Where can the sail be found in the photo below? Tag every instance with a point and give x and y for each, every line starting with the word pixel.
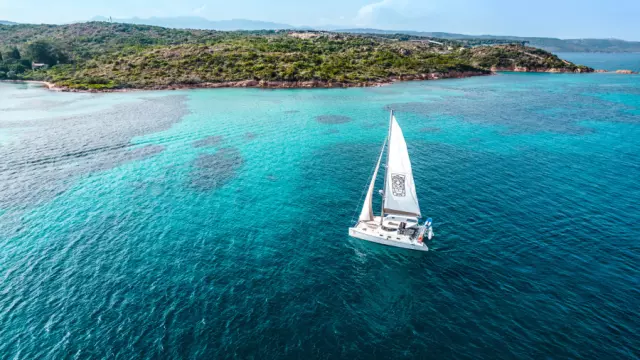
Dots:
pixel 400 194
pixel 367 209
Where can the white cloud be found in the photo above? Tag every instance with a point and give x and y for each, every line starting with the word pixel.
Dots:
pixel 366 13
pixel 199 9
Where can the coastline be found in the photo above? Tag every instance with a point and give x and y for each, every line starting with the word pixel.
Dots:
pixel 313 84
pixel 263 84
pixel 543 70
pixel 46 84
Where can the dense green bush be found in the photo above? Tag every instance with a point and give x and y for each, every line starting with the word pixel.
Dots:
pixel 42 51
pixel 13 53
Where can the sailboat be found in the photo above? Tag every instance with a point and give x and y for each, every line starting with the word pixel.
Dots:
pixel 398 223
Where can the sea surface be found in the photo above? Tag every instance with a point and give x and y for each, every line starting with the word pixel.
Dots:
pixel 605 61
pixel 213 223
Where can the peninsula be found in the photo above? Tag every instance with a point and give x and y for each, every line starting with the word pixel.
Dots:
pixel 102 56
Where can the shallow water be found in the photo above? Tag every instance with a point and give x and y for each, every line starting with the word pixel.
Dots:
pixel 213 223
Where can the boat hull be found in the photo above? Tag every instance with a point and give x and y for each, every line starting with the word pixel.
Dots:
pixel 377 238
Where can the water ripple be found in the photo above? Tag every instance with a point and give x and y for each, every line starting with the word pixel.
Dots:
pixel 122 237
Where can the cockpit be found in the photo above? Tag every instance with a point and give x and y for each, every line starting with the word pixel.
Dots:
pixel 401 224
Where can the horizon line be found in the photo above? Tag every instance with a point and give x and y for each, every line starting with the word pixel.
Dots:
pixel 300 27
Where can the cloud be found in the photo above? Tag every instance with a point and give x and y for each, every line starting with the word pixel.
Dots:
pixel 200 9
pixel 366 15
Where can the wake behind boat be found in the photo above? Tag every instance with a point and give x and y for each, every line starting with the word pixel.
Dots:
pixel 398 223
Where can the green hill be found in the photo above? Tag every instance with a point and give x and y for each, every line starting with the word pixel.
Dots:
pixel 100 55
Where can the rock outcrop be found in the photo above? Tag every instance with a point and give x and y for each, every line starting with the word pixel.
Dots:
pixel 544 70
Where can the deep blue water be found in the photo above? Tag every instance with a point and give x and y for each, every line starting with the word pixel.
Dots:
pixel 605 61
pixel 213 223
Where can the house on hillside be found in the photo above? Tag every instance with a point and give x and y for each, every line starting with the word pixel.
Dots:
pixel 36 66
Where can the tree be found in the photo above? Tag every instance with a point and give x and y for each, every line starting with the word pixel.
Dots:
pixel 13 53
pixel 20 68
pixel 42 51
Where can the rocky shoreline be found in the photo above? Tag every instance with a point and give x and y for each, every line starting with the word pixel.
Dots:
pixel 543 70
pixel 315 84
pixel 556 70
pixel 262 84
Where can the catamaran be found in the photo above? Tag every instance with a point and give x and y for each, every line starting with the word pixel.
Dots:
pixel 398 223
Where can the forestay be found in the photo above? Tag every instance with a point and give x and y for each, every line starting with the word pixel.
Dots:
pixel 400 194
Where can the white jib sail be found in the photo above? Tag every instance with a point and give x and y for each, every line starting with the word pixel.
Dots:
pixel 367 209
pixel 400 194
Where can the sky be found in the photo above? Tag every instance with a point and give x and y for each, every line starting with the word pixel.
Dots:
pixel 550 18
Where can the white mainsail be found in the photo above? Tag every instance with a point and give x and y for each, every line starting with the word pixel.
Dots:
pixel 399 200
pixel 400 193
pixel 367 209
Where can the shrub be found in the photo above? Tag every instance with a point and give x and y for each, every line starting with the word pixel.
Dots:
pixel 99 54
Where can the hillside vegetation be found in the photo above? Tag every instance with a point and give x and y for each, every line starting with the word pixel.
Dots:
pixel 513 57
pixel 100 55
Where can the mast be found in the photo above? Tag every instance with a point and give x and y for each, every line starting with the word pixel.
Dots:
pixel 386 167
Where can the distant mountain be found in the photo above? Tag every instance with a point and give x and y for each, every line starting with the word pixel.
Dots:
pixel 4 22
pixel 442 35
pixel 549 44
pixel 195 22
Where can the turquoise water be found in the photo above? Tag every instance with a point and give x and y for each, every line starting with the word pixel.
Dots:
pixel 605 61
pixel 213 223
